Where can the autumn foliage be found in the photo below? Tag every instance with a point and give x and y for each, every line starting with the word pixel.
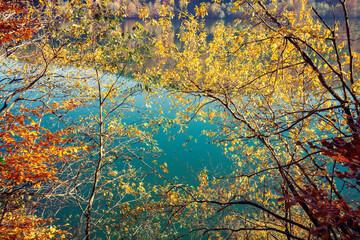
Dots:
pixel 29 156
pixel 13 28
pixel 29 151
pixel 17 225
pixel 281 78
pixel 346 152
pixel 277 80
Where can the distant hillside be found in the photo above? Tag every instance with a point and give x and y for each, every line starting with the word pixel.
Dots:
pixel 324 8
pixel 225 8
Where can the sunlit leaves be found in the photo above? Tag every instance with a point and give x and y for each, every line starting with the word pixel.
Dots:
pixel 279 81
pixel 30 156
pixel 201 10
pixel 19 225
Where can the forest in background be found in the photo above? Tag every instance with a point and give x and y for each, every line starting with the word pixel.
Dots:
pixel 225 9
pixel 282 90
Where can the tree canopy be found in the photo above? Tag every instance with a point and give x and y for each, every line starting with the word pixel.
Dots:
pixel 280 85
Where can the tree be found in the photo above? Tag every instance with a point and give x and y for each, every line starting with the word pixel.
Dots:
pixel 98 187
pixel 75 57
pixel 29 152
pixel 284 80
pixel 12 28
pixel 29 157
